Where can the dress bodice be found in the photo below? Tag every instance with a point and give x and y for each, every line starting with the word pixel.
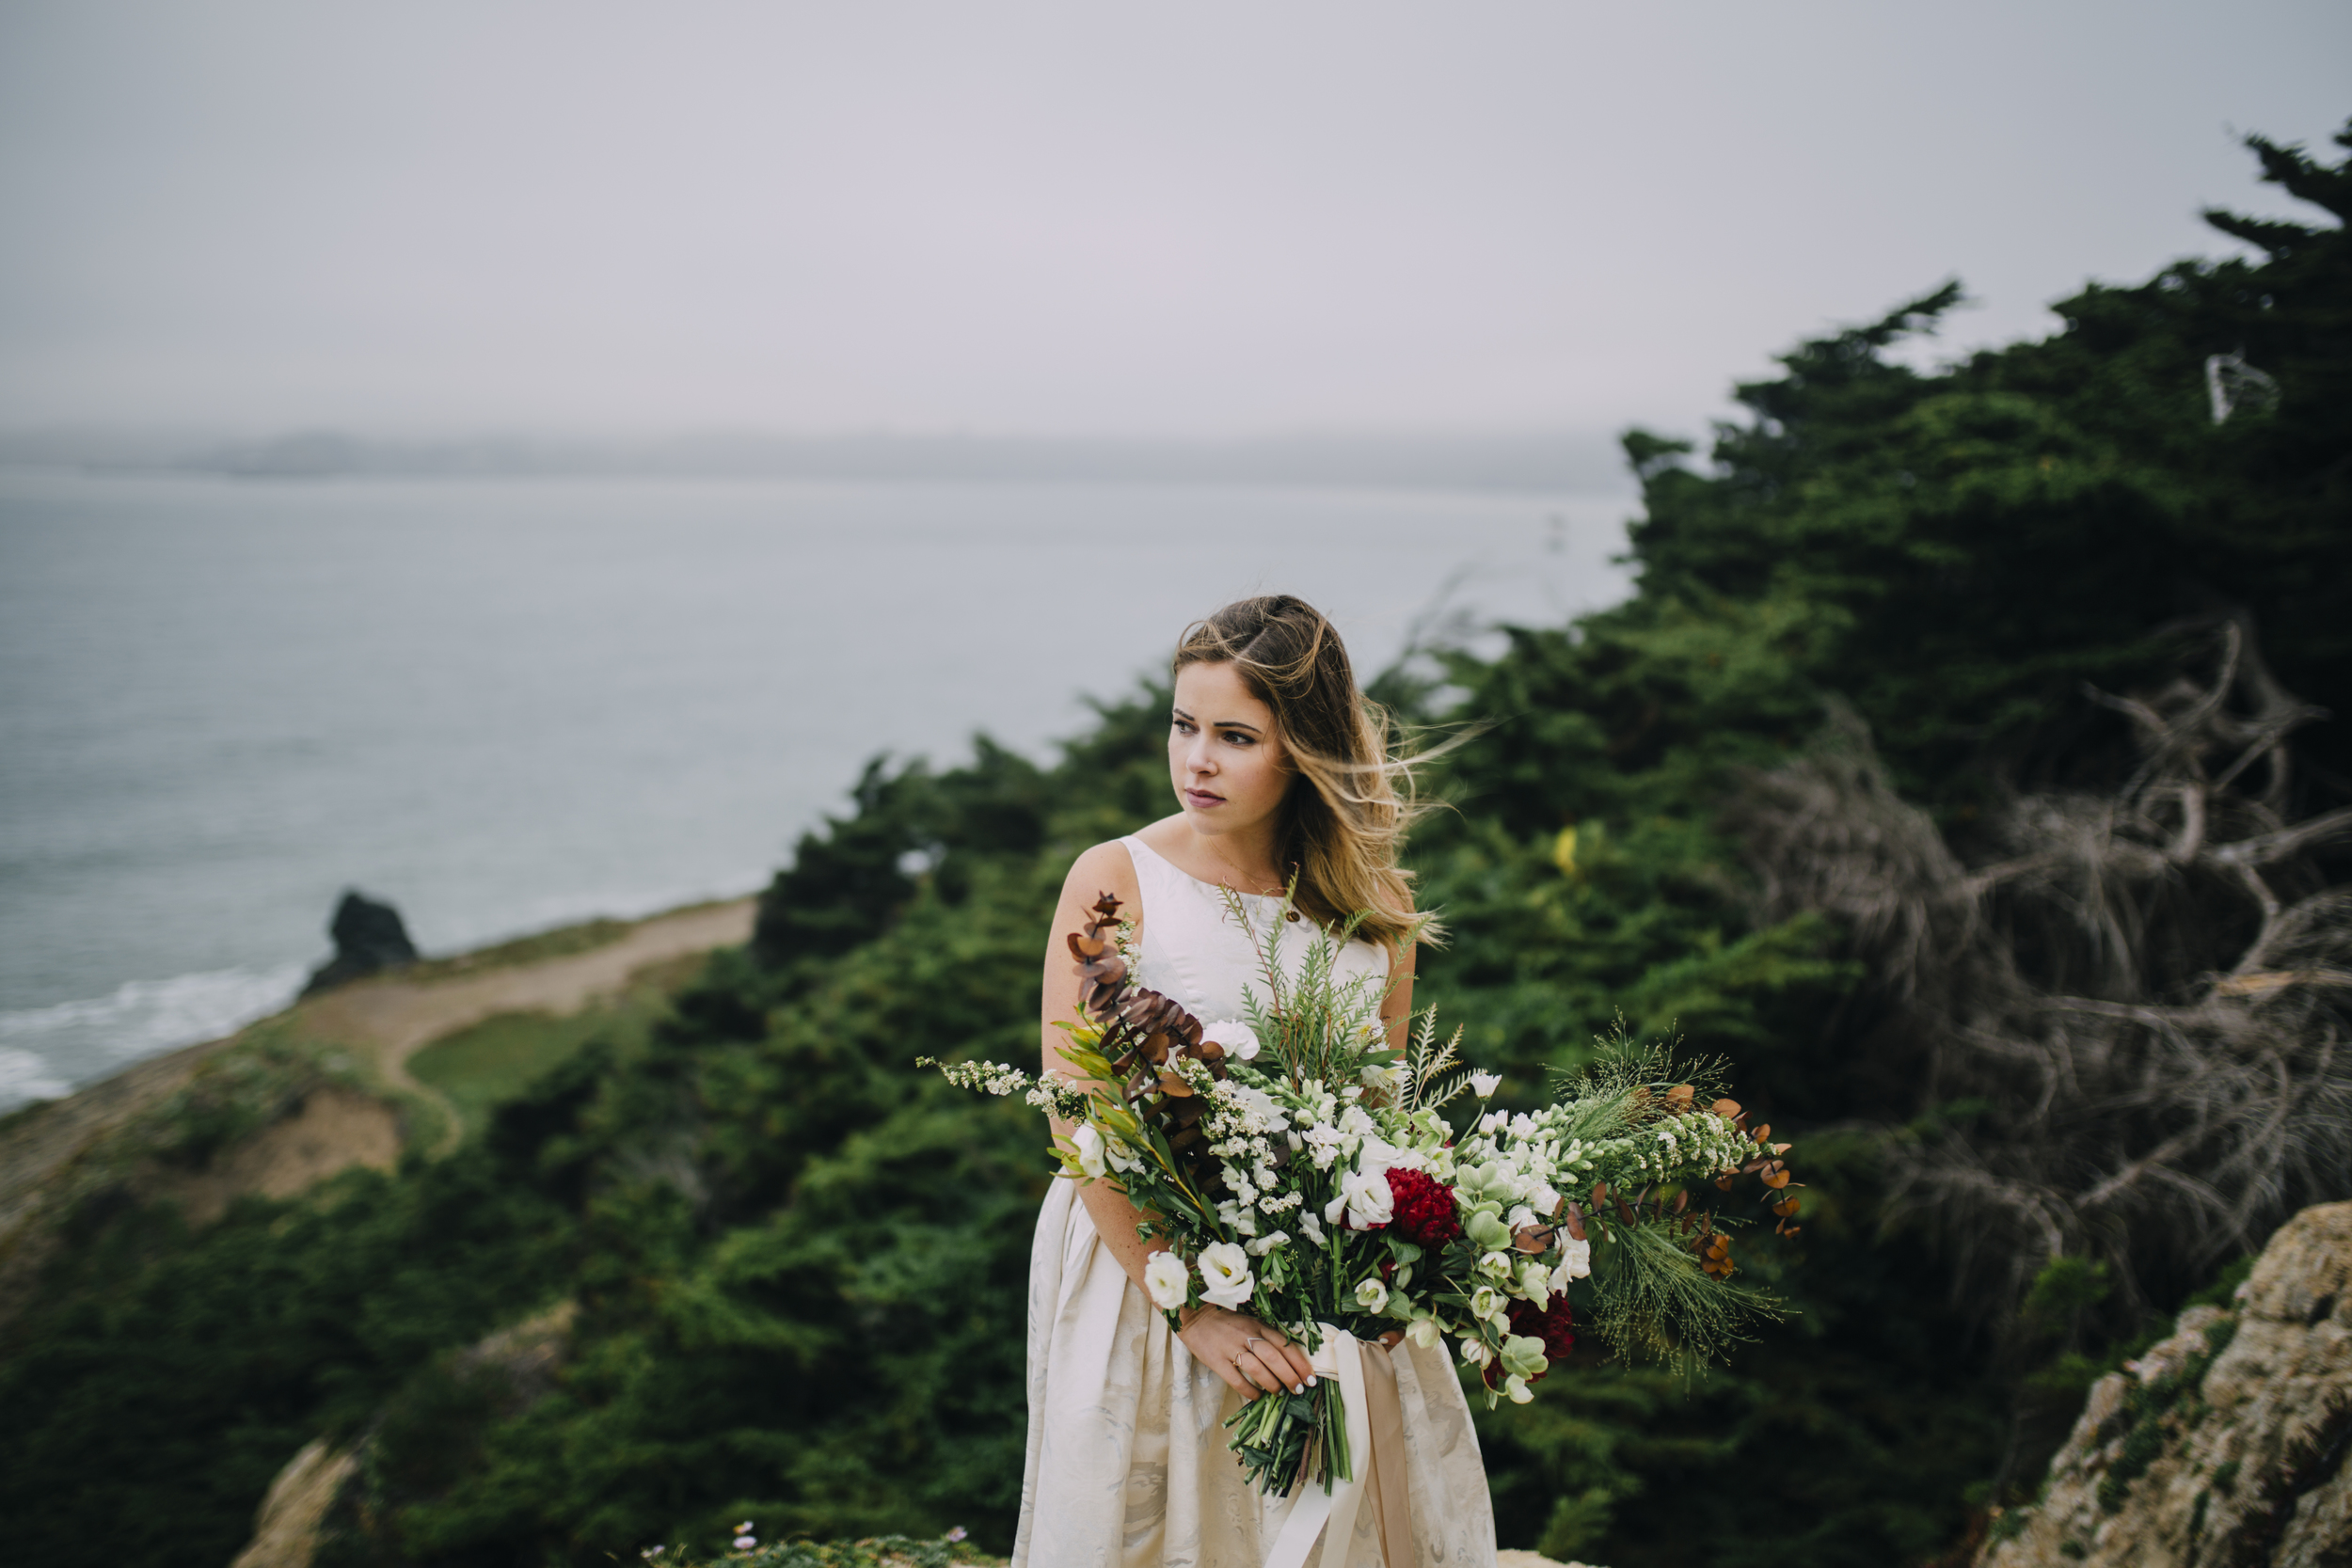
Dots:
pixel 1195 952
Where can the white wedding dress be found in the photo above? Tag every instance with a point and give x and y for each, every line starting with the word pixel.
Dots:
pixel 1127 1463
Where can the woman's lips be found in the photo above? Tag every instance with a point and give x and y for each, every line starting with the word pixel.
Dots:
pixel 1201 799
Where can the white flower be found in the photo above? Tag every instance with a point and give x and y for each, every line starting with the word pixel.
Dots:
pixel 1495 1265
pixel 1225 1275
pixel 1121 1158
pixel 1311 1226
pixel 1576 1261
pixel 1372 1296
pixel 1484 1083
pixel 1424 1332
pixel 1382 1076
pixel 1089 1147
pixel 745 1543
pixel 1367 1197
pixel 1474 1352
pixel 1516 1388
pixel 1486 1302
pixel 1165 1278
pixel 1519 1217
pixel 1264 1244
pixel 1238 1038
pixel 1543 1200
pixel 1535 1284
pixel 1263 1109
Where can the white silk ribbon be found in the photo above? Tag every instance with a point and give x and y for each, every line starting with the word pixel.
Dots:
pixel 1332 1515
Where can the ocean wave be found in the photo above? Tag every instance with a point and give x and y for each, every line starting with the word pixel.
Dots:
pixel 24 1076
pixel 46 1051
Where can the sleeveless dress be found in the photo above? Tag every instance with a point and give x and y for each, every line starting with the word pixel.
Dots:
pixel 1127 1465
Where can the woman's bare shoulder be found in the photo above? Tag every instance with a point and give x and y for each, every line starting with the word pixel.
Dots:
pixel 1168 833
pixel 1107 867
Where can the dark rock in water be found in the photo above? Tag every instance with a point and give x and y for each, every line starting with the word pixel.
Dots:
pixel 369 939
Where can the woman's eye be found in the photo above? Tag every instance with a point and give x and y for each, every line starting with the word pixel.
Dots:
pixel 1236 738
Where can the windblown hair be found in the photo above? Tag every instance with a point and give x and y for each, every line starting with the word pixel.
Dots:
pixel 1342 823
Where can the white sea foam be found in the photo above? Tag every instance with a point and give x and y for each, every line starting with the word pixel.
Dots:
pixel 24 1076
pixel 45 1051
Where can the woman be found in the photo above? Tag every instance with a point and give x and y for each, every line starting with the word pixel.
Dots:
pixel 1279 768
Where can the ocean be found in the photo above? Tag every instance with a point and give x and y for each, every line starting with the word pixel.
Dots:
pixel 510 704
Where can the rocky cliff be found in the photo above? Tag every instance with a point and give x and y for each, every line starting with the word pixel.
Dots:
pixel 2224 1446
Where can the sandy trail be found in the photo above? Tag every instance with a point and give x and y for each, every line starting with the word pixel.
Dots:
pixel 396 1017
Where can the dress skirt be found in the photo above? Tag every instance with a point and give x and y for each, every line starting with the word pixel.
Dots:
pixel 1127 1465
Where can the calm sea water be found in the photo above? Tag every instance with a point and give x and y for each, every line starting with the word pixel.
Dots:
pixel 506 704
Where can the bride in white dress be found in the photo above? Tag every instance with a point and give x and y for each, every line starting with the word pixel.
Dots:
pixel 1280 766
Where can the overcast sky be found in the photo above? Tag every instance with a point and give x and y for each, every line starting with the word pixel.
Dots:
pixel 1214 218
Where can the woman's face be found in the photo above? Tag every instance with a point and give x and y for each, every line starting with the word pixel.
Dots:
pixel 1224 757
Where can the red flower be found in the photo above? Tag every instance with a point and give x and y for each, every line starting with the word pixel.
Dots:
pixel 1423 1213
pixel 1555 1327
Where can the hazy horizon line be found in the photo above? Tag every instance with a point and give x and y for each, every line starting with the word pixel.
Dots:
pixel 1573 460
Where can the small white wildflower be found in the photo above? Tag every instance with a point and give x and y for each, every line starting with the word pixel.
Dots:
pixel 1372 1296
pixel 1225 1275
pixel 1576 1261
pixel 1366 1197
pixel 1238 1038
pixel 1166 1280
pixel 1484 1083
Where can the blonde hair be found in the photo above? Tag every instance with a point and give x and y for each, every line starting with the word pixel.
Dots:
pixel 1342 823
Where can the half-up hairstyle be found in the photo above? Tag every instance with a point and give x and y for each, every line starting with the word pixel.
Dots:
pixel 1342 823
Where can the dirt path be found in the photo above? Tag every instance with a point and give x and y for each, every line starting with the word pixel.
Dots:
pixel 396 1017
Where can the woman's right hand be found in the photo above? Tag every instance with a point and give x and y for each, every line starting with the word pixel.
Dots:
pixel 1253 1357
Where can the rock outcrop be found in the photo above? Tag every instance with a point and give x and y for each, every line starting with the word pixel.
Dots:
pixel 369 940
pixel 321 1492
pixel 2224 1446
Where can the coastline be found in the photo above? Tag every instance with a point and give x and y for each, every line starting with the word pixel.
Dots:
pixel 321 1086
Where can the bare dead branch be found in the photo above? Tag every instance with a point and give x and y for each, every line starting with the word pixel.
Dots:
pixel 2162 1066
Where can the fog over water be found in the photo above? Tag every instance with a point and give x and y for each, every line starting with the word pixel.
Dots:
pixel 505 704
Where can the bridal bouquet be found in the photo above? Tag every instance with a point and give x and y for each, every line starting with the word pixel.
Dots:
pixel 1303 1172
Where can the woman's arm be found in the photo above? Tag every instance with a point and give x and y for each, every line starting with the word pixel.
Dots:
pixel 1397 1011
pixel 1250 1356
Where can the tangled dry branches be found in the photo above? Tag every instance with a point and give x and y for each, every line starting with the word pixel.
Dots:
pixel 2128 1020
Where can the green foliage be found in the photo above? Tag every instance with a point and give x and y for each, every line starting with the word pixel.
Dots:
pixel 163 1379
pixel 2066 1288
pixel 496 1061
